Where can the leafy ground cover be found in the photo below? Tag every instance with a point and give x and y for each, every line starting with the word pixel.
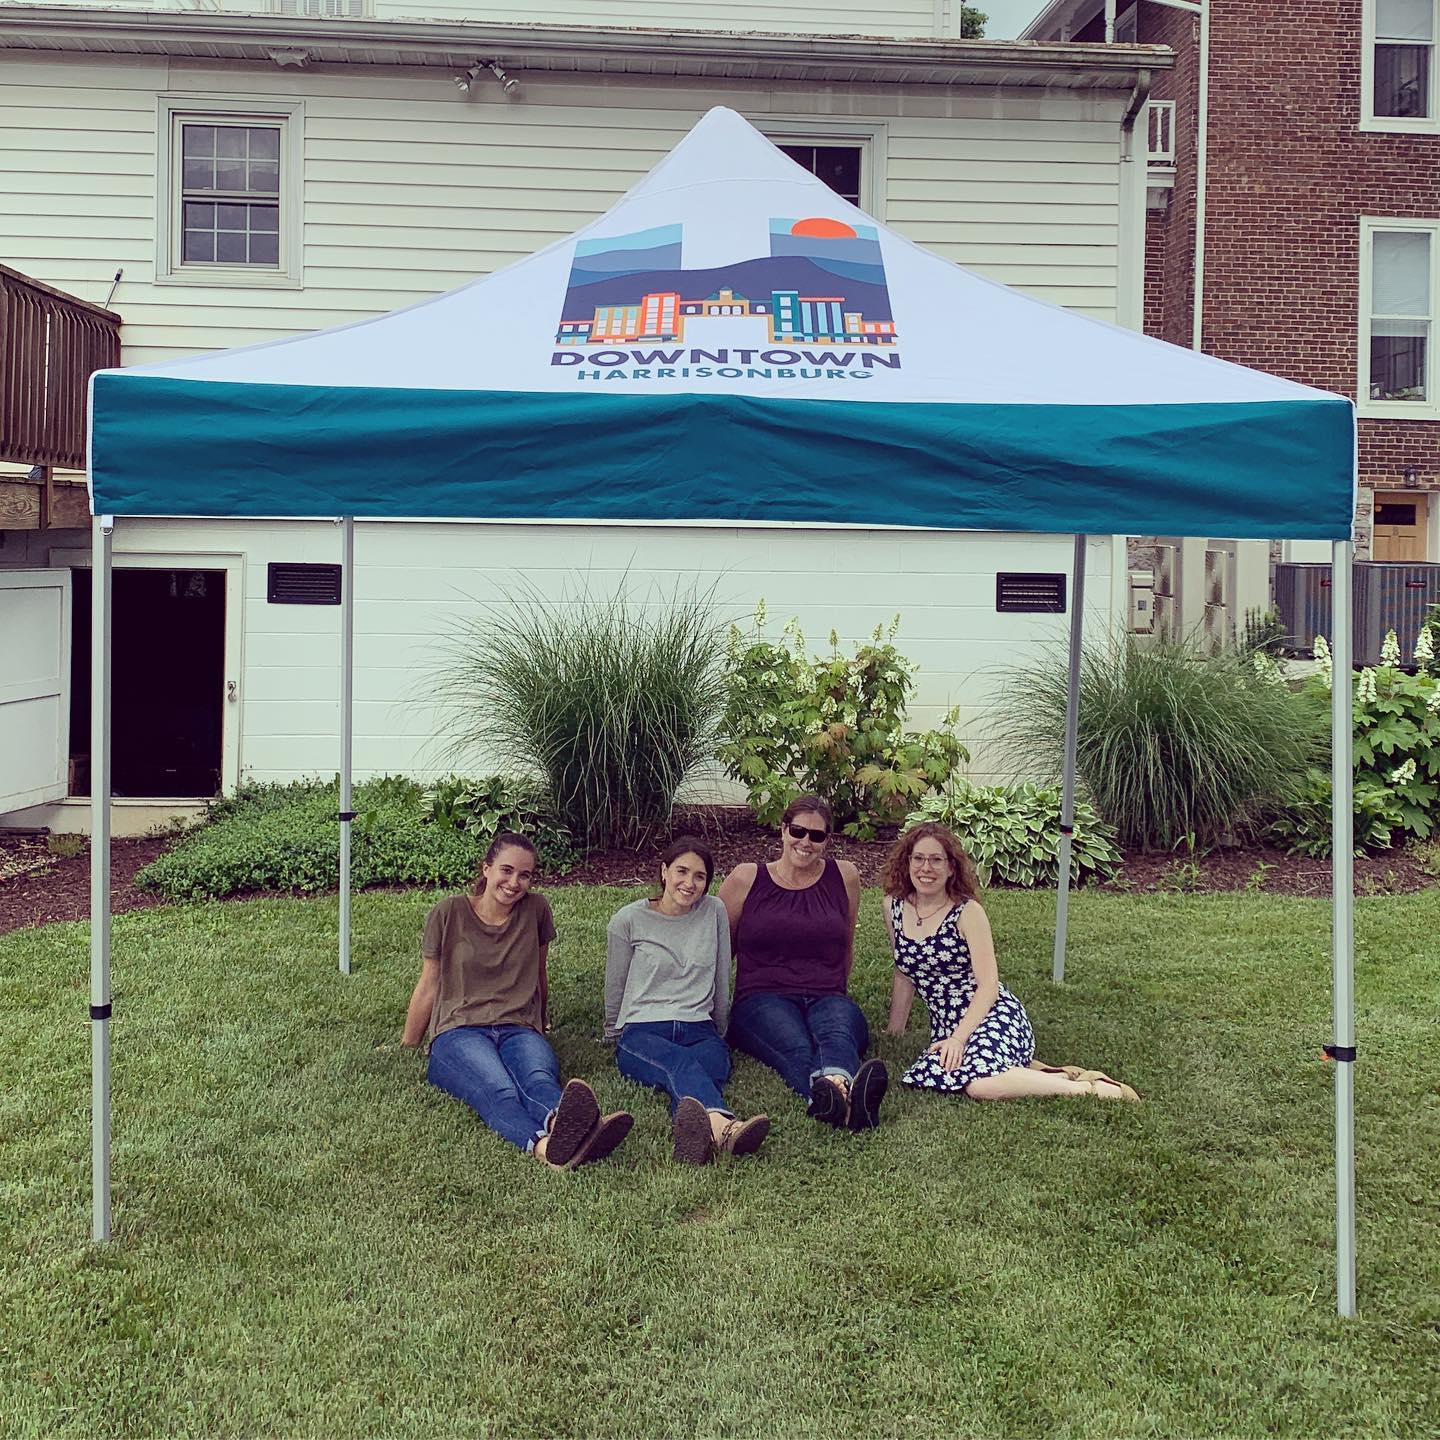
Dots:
pixel 313 1242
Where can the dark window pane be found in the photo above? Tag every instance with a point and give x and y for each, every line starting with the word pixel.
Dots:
pixel 199 245
pixel 264 249
pixel 230 142
pixel 264 178
pixel 264 144
pixel 199 216
pixel 229 174
pixel 199 175
pixel 198 140
pixel 1397 367
pixel 264 218
pixel 231 217
pixel 837 165
pixel 230 247
pixel 1395 514
pixel 1402 81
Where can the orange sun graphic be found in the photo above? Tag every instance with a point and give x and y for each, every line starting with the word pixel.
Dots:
pixel 819 228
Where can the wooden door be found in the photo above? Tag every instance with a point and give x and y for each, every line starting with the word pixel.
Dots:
pixel 1399 525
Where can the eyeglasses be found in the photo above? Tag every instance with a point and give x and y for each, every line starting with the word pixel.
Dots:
pixel 927 862
pixel 803 832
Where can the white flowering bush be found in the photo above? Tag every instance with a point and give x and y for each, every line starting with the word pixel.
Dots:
pixel 1012 832
pixel 1397 755
pixel 829 725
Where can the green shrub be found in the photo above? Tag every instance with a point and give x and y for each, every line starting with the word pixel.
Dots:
pixel 485 807
pixel 611 703
pixel 1012 833
pixel 829 725
pixel 1177 746
pixel 1396 752
pixel 287 837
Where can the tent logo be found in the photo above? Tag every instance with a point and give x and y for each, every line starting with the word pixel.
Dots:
pixel 823 283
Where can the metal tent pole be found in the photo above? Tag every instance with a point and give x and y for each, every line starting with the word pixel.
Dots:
pixel 101 534
pixel 1342 1050
pixel 1067 793
pixel 347 724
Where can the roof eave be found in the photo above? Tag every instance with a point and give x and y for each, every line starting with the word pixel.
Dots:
pixel 858 58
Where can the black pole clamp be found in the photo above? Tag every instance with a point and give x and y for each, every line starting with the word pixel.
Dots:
pixel 1339 1052
pixel 343 815
pixel 100 1012
pixel 1067 830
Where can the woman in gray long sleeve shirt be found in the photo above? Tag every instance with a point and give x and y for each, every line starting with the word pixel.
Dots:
pixel 667 1001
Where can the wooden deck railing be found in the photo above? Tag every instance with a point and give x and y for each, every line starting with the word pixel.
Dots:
pixel 50 345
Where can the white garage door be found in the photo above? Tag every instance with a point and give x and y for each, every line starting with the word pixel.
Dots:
pixel 34 686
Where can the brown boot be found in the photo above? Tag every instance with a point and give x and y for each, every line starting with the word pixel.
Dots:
pixel 694 1140
pixel 744 1137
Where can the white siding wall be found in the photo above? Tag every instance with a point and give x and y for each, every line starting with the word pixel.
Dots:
pixel 411 188
pixel 416 579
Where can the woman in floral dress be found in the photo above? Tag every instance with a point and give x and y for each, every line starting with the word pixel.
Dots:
pixel 981 1041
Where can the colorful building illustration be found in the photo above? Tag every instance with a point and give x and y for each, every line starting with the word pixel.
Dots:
pixel 824 281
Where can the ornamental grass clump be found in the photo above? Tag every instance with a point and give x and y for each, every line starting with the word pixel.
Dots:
pixel 1177 746
pixel 610 703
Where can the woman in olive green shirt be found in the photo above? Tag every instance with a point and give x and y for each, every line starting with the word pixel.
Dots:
pixel 481 1001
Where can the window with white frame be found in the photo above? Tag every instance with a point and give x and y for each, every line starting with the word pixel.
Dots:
pixel 229 194
pixel 1400 86
pixel 1398 289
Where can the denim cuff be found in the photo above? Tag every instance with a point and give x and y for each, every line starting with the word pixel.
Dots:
pixel 828 1071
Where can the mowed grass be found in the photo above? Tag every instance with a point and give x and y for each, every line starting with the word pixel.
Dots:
pixel 312 1242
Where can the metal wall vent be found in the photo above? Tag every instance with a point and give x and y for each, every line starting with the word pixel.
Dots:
pixel 289 584
pixel 1018 593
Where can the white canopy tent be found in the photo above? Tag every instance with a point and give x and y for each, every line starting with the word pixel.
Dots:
pixel 731 341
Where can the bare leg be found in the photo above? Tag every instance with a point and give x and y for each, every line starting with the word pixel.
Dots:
pixel 1025 1083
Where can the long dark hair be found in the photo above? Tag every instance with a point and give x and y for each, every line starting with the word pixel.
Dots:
pixel 688 845
pixel 504 838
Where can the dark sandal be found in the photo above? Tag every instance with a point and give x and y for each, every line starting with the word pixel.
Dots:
pixel 575 1117
pixel 827 1101
pixel 867 1090
pixel 694 1139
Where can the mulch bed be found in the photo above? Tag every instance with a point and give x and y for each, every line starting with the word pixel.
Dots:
pixel 38 887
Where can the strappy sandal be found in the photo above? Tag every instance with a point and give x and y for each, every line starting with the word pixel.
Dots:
pixel 744 1137
pixel 1070 1072
pixel 1094 1079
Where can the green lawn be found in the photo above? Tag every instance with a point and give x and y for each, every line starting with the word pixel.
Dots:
pixel 310 1241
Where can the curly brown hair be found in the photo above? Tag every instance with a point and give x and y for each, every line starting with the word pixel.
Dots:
pixel 963 882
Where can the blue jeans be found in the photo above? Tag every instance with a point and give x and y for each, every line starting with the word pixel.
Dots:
pixel 680 1057
pixel 801 1036
pixel 507 1074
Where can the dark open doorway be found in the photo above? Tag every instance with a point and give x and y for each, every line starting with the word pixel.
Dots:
pixel 168 683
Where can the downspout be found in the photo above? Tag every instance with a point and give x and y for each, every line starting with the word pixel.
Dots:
pixel 1202 151
pixel 1132 191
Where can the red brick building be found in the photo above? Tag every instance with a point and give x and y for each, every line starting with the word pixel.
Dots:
pixel 1320 256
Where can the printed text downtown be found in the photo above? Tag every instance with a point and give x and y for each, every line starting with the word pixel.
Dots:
pixel 726 364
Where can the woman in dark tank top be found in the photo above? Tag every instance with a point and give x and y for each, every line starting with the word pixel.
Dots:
pixel 792 927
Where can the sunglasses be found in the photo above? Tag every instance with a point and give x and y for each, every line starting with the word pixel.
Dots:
pixel 803 832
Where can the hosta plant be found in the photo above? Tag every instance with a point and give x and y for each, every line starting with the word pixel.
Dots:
pixel 1012 832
